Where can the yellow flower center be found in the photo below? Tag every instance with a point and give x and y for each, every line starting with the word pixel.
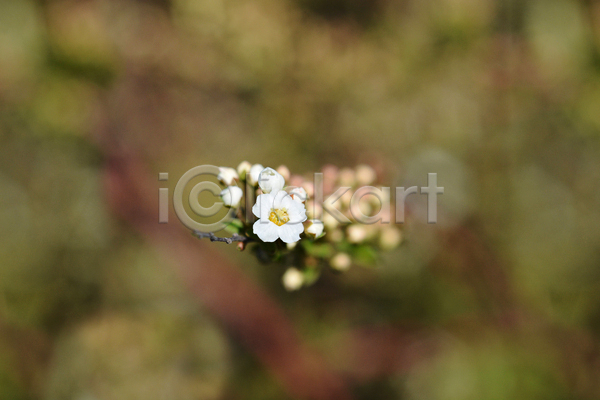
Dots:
pixel 279 216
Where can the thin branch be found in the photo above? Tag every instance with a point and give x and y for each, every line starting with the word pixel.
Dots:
pixel 234 238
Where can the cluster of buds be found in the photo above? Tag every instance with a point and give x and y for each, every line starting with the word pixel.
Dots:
pixel 288 226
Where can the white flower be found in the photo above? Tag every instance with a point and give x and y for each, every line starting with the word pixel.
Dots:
pixel 243 169
pixel 314 228
pixel 231 196
pixel 279 217
pixel 270 180
pixel 227 175
pixel 254 173
pixel 341 262
pixel 299 194
pixel 292 279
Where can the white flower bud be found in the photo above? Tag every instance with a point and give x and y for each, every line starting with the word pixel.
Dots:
pixel 291 245
pixel 292 279
pixel 243 169
pixel 270 181
pixel 254 172
pixel 231 196
pixel 390 238
pixel 314 228
pixel 299 194
pixel 356 233
pixel 341 262
pixel 227 175
pixel 365 175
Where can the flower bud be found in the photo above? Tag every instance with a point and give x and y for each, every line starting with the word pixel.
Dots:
pixel 299 194
pixel 254 172
pixel 292 279
pixel 284 171
pixel 270 181
pixel 227 175
pixel 314 228
pixel 365 175
pixel 231 196
pixel 243 169
pixel 341 262
pixel 356 233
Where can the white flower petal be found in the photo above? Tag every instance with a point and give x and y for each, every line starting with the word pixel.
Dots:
pixel 266 230
pixel 297 218
pixel 278 199
pixel 263 205
pixel 290 233
pixel 296 212
pixel 287 202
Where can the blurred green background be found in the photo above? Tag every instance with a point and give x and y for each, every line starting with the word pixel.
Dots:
pixel 500 97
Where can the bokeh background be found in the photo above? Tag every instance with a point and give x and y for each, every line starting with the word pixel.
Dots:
pixel 498 300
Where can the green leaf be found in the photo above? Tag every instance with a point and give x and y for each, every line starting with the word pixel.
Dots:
pixel 365 255
pixel 234 226
pixel 311 275
pixel 319 250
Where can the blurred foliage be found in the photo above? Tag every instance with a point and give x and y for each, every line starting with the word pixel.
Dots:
pixel 501 98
